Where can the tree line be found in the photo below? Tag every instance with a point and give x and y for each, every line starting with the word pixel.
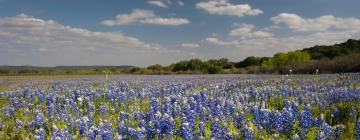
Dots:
pixel 337 58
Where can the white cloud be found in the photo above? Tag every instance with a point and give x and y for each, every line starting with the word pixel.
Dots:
pixel 165 21
pixel 292 42
pixel 217 41
pixel 243 29
pixel 322 23
pixel 126 19
pixel 28 29
pixel 158 3
pixel 246 31
pixel 263 42
pixel 180 3
pixel 190 45
pixel 144 17
pixel 46 42
pixel 223 7
pixel 324 30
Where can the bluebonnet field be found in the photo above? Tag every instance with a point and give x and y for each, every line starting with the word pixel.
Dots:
pixel 184 107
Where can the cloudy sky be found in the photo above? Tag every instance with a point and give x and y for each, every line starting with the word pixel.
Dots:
pixel 139 32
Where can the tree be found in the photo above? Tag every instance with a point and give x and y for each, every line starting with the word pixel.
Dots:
pixel 156 67
pixel 180 66
pixel 195 64
pixel 249 61
pixel 284 59
pixel 213 69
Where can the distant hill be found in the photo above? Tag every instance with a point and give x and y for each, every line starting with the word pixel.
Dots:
pixel 337 58
pixel 93 67
pixel 342 57
pixel 66 67
pixel 60 70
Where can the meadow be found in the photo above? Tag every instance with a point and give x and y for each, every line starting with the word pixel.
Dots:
pixel 316 106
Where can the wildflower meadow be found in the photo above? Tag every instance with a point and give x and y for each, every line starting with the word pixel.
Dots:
pixel 220 107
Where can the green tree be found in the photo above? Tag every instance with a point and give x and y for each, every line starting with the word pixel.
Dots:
pixel 156 67
pixel 213 69
pixel 249 61
pixel 284 59
pixel 180 66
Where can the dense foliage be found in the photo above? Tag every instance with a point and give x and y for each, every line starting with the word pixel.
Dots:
pixel 184 107
pixel 346 48
pixel 327 59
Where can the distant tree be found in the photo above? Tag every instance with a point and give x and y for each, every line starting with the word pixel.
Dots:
pixel 68 72
pixel 213 69
pixel 156 67
pixel 284 59
pixel 135 70
pixel 224 63
pixel 332 51
pixel 298 57
pixel 113 70
pixel 180 66
pixel 195 64
pixel 24 71
pixel 4 71
pixel 263 59
pixel 249 61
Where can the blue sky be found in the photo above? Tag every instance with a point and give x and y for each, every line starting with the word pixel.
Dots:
pixel 141 33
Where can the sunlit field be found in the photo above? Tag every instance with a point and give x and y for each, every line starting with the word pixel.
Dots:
pixel 181 107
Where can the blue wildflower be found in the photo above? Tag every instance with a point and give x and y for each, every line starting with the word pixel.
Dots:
pixel 40 134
